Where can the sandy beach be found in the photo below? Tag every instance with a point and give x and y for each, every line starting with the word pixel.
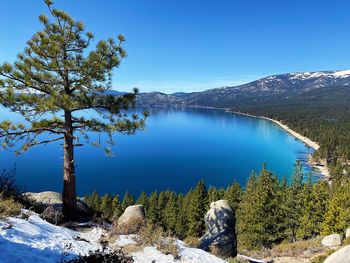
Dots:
pixel 321 165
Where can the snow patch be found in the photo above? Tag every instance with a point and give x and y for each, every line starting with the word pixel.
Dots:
pixel 35 240
pixel 342 73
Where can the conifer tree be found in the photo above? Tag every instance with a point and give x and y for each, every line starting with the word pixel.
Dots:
pixel 320 197
pixel 170 214
pixel 116 206
pixel 233 195
pixel 162 201
pixel 93 200
pixel 197 209
pixel 143 200
pixel 247 223
pixel 181 227
pixel 106 205
pixel 337 218
pixel 259 215
pixel 128 200
pixel 306 227
pixel 294 202
pixel 152 213
pixel 57 76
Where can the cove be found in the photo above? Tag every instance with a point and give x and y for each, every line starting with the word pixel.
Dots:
pixel 178 148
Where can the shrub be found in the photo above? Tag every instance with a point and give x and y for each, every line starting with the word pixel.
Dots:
pixel 321 258
pixel 192 242
pixel 150 235
pixel 8 206
pixel 297 248
pixel 168 247
pixel 102 256
pixel 132 227
pixel 7 183
pixel 53 215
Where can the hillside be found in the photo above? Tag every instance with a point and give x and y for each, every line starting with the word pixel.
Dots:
pixel 270 88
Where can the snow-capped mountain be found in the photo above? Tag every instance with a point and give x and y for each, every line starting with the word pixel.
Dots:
pixel 281 86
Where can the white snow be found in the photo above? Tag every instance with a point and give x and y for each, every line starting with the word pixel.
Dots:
pixel 149 254
pixel 35 240
pixel 195 255
pixel 342 73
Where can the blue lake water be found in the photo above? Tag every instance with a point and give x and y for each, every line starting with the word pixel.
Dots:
pixel 177 149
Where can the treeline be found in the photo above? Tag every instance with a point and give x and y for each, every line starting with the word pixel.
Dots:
pixel 268 211
pixel 322 115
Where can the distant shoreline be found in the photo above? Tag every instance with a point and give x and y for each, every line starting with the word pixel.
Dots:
pixel 320 165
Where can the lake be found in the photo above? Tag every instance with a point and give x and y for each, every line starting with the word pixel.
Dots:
pixel 177 149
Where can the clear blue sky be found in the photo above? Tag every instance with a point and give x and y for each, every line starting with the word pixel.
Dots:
pixel 191 45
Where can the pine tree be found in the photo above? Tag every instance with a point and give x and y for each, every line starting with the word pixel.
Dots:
pixel 320 196
pixel 152 213
pixel 181 227
pixel 247 221
pixel 171 211
pixel 337 218
pixel 116 207
pixel 93 201
pixel 306 227
pixel 197 210
pixel 162 201
pixel 233 195
pixel 143 200
pixel 106 205
pixel 128 200
pixel 59 74
pixel 294 202
pixel 260 220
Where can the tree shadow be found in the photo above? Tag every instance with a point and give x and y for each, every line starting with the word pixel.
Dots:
pixel 17 252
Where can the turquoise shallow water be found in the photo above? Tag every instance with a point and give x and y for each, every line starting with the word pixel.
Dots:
pixel 178 148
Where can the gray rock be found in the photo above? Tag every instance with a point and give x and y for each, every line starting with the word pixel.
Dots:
pixel 53 214
pixel 52 202
pixel 221 236
pixel 340 256
pixel 347 233
pixel 132 214
pixel 46 198
pixel 332 241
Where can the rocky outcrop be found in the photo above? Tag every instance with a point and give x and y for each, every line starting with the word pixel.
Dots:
pixel 340 256
pixel 347 233
pixel 46 198
pixel 52 202
pixel 132 214
pixel 332 241
pixel 221 236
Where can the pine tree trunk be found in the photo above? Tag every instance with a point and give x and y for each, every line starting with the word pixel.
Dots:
pixel 69 191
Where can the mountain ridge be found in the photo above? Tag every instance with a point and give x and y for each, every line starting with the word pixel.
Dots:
pixel 279 86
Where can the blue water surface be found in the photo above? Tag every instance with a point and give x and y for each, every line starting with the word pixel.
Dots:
pixel 177 149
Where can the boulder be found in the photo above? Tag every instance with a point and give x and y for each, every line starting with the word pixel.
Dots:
pixel 340 256
pixel 52 202
pixel 332 241
pixel 53 214
pixel 220 237
pixel 134 213
pixel 347 233
pixel 46 198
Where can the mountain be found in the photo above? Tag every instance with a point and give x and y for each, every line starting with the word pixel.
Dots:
pixel 274 87
pixel 179 94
